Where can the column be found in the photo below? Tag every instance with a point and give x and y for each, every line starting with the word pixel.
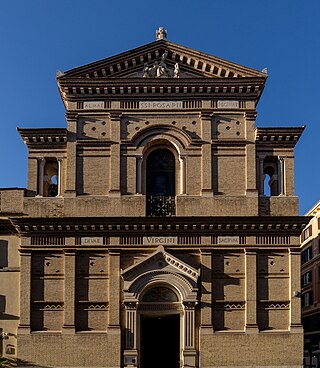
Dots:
pixel 130 352
pixel 281 175
pixel 182 160
pixel 114 291
pixel 261 176
pixel 115 164
pixel 25 291
pixel 71 179
pixel 189 351
pixel 59 159
pixel 251 291
pixel 41 163
pixel 206 165
pixel 139 159
pixel 294 290
pixel 206 296
pixel 69 291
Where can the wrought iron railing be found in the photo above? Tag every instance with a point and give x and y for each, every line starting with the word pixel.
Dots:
pixel 161 206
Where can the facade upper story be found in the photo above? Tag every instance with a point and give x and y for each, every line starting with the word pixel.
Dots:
pixel 160 130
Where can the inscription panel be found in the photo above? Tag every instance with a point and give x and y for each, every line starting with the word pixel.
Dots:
pixel 161 105
pixel 159 240
pixel 228 240
pixel 228 104
pixel 92 241
pixel 93 105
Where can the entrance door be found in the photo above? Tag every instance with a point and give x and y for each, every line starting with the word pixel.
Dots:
pixel 160 341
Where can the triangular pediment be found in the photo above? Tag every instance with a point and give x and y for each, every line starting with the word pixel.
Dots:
pixel 160 261
pixel 161 59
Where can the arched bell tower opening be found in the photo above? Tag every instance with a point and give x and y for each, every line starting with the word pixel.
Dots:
pixel 161 182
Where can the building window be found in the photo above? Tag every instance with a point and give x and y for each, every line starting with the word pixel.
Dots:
pixel 306 255
pixel 306 299
pixel 270 171
pixel 161 183
pixel 306 233
pixel 306 278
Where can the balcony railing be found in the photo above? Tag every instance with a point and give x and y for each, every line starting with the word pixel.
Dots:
pixel 161 206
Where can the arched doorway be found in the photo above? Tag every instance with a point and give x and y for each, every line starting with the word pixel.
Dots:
pixel 160 183
pixel 160 330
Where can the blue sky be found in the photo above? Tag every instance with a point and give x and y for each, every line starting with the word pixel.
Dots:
pixel 38 37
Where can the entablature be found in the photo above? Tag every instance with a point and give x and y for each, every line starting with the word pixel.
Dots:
pixel 119 226
pixel 48 137
pixel 277 136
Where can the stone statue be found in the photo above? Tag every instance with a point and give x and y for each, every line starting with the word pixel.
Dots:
pixel 157 70
pixel 161 33
pixel 176 72
pixel 147 71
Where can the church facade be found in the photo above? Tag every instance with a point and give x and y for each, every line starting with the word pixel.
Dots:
pixel 149 234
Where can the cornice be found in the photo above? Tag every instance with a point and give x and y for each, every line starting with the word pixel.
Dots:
pixel 279 135
pixel 66 226
pixel 44 136
pixel 139 88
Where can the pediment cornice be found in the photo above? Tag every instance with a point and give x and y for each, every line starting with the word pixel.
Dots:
pixel 192 63
pixel 160 261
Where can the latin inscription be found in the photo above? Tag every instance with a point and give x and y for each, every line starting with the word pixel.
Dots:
pixel 228 104
pixel 160 105
pixel 159 240
pixel 92 241
pixel 93 105
pixel 228 240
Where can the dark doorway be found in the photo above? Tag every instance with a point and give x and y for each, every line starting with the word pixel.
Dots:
pixel 160 341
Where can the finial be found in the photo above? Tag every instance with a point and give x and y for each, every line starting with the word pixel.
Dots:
pixel 161 33
pixel 265 70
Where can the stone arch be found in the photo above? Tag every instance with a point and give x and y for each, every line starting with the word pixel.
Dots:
pixel 160 136
pixel 173 135
pixel 184 288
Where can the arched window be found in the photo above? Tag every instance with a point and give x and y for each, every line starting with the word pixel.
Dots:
pixel 161 173
pixel 160 183
pixel 50 183
pixel 271 181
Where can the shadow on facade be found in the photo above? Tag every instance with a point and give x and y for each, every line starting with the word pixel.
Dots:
pixel 264 206
pixel 3 253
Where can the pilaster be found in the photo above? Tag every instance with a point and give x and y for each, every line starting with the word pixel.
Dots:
pixel 294 289
pixel 251 186
pixel 251 291
pixel 206 163
pixel 71 182
pixel 25 292
pixel 206 296
pixel 115 165
pixel 69 291
pixel 114 290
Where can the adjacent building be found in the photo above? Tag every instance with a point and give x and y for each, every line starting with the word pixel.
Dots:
pixel 160 227
pixel 310 278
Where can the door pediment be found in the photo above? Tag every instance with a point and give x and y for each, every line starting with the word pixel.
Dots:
pixel 160 268
pixel 161 261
